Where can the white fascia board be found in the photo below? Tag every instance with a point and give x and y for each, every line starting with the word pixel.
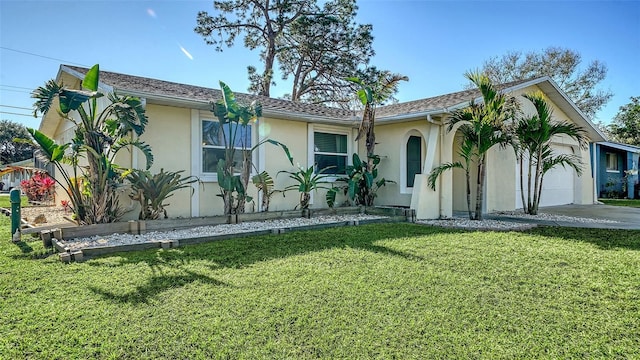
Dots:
pixel 102 86
pixel 625 147
pixel 412 116
pixel 579 112
pixel 204 105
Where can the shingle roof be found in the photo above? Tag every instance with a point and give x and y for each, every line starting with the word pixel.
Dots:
pixel 124 82
pixel 197 93
pixel 440 102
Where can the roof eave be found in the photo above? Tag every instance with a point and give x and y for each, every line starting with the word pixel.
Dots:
pixel 204 105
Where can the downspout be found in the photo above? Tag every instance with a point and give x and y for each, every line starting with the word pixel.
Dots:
pixel 594 171
pixel 441 196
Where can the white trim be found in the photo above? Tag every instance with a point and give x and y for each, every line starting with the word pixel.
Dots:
pixel 311 129
pixel 196 154
pixel 404 189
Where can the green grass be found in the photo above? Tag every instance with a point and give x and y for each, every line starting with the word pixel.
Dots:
pixel 5 203
pixel 621 202
pixel 377 291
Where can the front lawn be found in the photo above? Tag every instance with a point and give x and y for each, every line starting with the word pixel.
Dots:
pixel 377 291
pixel 621 202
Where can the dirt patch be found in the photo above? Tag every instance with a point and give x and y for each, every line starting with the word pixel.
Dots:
pixel 53 215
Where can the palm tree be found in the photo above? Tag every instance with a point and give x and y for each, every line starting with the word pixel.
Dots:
pixel 99 135
pixel 532 142
pixel 372 95
pixel 482 125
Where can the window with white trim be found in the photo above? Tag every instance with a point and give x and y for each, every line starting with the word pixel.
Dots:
pixel 612 161
pixel 330 150
pixel 213 140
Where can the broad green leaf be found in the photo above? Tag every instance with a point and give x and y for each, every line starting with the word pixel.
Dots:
pixel 357 163
pixel 73 99
pixel 91 79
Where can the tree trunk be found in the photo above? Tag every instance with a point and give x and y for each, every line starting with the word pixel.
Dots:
pixel 244 179
pixel 521 160
pixel 269 59
pixel 468 175
pixel 536 183
pixel 479 188
pixel 529 191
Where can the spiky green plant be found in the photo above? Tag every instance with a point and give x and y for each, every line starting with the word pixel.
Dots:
pixel 152 190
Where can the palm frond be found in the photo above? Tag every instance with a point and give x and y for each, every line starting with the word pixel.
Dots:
pixel 435 173
pixel 44 96
pixel 565 160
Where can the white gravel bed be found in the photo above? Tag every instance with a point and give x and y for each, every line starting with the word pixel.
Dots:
pixel 201 231
pixel 487 224
pixel 492 224
pixel 553 217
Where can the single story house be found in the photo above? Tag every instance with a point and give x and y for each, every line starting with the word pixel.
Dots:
pixel 412 140
pixel 616 169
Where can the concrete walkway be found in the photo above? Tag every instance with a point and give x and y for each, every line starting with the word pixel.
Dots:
pixel 626 217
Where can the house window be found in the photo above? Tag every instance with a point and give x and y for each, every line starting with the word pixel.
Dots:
pixel 330 150
pixel 213 140
pixel 414 158
pixel 612 162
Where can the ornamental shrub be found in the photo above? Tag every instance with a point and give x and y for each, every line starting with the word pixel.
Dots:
pixel 39 187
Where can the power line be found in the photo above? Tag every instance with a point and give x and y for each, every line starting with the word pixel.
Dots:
pixel 12 113
pixel 20 91
pixel 16 107
pixel 16 87
pixel 42 56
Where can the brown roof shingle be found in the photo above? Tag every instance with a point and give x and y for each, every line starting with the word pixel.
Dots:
pixel 197 93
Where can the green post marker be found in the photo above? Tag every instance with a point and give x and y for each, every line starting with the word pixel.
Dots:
pixel 14 198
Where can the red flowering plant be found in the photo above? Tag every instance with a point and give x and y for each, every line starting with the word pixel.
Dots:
pixel 66 205
pixel 39 187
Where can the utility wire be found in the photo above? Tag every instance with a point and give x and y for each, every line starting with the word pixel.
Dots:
pixel 12 113
pixel 16 107
pixel 20 91
pixel 16 87
pixel 42 56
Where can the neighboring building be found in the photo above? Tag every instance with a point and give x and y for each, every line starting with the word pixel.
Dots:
pixel 12 174
pixel 412 140
pixel 616 169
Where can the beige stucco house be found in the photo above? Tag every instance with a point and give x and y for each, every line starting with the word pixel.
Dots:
pixel 411 138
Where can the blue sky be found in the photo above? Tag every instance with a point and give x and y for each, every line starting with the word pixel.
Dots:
pixel 432 42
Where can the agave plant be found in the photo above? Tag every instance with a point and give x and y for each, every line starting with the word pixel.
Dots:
pixel 151 191
pixel 100 133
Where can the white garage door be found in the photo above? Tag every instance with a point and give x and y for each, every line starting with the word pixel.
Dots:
pixel 558 184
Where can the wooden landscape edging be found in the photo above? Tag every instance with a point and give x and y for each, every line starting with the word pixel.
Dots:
pixel 54 237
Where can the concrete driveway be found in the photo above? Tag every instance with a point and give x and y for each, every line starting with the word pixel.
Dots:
pixel 626 217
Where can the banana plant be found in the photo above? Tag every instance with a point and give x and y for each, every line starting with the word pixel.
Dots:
pixel 307 180
pixel 151 191
pixel 362 185
pixel 100 133
pixel 265 185
pixel 232 179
